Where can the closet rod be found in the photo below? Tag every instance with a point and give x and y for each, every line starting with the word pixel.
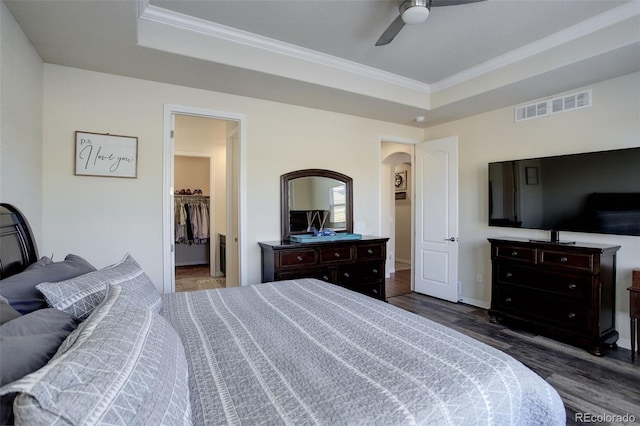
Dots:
pixel 186 198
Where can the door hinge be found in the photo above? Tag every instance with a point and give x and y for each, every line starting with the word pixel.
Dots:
pixel 173 135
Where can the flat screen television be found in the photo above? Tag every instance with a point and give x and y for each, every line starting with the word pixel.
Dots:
pixel 596 192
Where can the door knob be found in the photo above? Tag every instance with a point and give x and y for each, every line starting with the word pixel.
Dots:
pixel 452 239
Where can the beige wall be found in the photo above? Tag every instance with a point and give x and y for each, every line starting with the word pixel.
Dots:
pixel 612 122
pixel 191 173
pixel 21 73
pixel 101 218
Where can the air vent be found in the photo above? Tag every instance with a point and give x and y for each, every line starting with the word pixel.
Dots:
pixel 565 103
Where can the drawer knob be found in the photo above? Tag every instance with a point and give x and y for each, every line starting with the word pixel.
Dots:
pixel 571 315
pixel 563 259
pixel 509 274
pixel 346 275
pixel 370 251
pixel 325 278
pixel 299 258
pixel 508 300
pixel 375 271
pixel 336 254
pixel 514 253
pixel 572 286
pixel 375 291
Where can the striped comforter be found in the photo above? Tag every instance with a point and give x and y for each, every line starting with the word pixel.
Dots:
pixel 306 352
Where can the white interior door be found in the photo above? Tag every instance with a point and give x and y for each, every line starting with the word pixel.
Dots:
pixel 436 218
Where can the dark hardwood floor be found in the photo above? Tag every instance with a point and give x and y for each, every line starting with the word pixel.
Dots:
pixel 589 386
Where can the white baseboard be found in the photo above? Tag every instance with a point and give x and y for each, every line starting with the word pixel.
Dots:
pixel 624 342
pixel 475 302
pixel 192 263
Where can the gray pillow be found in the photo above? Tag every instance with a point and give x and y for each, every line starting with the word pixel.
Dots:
pixel 26 344
pixel 126 366
pixel 79 296
pixel 20 289
pixel 7 313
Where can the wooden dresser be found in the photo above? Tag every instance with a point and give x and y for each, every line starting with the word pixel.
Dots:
pixel 566 291
pixel 358 265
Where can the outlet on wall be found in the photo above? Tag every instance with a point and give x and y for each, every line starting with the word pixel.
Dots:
pixel 479 277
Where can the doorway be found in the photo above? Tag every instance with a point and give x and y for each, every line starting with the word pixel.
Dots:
pixel 397 198
pixel 199 165
pixel 202 180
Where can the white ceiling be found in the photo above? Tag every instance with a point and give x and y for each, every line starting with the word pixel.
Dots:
pixel 462 61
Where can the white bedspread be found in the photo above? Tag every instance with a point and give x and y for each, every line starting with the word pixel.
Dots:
pixel 306 352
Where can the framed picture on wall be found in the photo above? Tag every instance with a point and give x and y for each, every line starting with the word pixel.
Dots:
pixel 103 154
pixel 401 195
pixel 401 181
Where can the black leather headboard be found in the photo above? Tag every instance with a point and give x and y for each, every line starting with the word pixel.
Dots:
pixel 17 246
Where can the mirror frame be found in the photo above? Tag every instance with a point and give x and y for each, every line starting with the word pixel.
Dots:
pixel 284 197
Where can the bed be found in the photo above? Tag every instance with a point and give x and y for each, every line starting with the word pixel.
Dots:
pixel 289 352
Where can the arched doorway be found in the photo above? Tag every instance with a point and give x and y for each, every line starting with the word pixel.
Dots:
pixel 397 212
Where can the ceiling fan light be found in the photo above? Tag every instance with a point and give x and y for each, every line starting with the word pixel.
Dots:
pixel 415 15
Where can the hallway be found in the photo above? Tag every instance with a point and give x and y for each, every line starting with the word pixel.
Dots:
pixel 398 284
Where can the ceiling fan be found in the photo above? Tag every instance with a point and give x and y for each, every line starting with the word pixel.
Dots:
pixel 414 12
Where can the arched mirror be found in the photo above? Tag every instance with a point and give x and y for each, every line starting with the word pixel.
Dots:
pixel 316 198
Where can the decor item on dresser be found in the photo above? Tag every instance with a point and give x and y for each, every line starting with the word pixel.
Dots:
pixel 103 154
pixel 566 291
pixel 276 353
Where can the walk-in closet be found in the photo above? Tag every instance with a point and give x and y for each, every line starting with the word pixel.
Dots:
pixel 199 202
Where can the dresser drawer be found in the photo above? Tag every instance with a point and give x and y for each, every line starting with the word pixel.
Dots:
pixel 567 260
pixel 362 273
pixel 511 273
pixel 573 285
pixel 373 290
pixel 336 254
pixel 294 258
pixel 370 252
pixel 323 274
pixel 518 253
pixel 527 303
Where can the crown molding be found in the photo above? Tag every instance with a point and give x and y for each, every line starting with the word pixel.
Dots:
pixel 211 29
pixel 584 28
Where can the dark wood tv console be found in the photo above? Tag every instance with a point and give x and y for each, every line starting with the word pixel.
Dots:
pixel 358 265
pixel 564 291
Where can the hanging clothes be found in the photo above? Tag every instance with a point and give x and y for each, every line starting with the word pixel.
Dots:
pixel 191 215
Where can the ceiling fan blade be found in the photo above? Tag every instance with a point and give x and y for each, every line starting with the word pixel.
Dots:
pixel 437 3
pixel 391 31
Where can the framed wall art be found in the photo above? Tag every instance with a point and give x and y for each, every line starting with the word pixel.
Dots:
pixel 401 195
pixel 401 181
pixel 103 154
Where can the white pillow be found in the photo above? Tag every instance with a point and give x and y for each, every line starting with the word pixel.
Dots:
pixel 80 295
